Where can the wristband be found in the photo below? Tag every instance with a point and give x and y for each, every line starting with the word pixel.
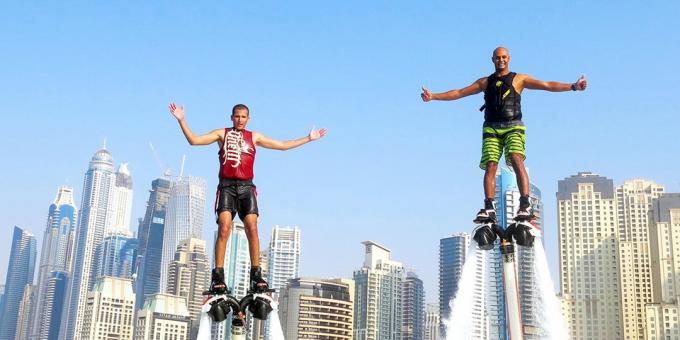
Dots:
pixel 573 87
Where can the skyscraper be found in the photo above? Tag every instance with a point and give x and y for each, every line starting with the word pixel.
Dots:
pixel 184 219
pixel 163 316
pixel 57 253
pixel 664 231
pixel 634 205
pixel 20 272
pixel 109 310
pixel 24 314
pixel 284 256
pixel 95 213
pixel 150 234
pixel 452 254
pixel 589 256
pixel 115 254
pixel 283 260
pixel 120 209
pixel 54 302
pixel 378 295
pixel 432 323
pixel 413 308
pixel 317 309
pixel 189 277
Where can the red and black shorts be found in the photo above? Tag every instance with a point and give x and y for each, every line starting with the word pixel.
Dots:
pixel 236 196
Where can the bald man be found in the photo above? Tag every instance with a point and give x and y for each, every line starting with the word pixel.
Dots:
pixel 503 128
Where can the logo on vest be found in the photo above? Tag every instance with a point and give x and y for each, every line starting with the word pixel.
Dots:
pixel 235 146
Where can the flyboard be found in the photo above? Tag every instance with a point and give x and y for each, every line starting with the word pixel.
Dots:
pixel 520 232
pixel 216 308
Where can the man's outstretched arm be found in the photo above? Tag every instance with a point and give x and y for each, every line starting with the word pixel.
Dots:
pixel 554 86
pixel 266 142
pixel 208 138
pixel 478 86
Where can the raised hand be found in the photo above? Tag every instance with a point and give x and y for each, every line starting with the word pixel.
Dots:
pixel 316 134
pixel 581 83
pixel 177 112
pixel 426 95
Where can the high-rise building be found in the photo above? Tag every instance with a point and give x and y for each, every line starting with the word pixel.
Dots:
pixel 120 209
pixel 57 253
pixel 452 254
pixel 116 254
pixel 378 295
pixel 413 308
pixel 284 256
pixel 432 321
pixel 24 314
pixel 53 305
pixel 634 205
pixel 664 232
pixel 283 261
pixel 163 316
pixel 20 272
pixel 317 309
pixel 184 218
pixel 189 277
pixel 150 234
pixel 589 256
pixel 94 215
pixel 109 310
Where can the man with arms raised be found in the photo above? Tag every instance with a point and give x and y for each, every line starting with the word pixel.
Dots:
pixel 503 127
pixel 236 192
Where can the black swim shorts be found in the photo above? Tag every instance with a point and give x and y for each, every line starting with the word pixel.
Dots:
pixel 236 196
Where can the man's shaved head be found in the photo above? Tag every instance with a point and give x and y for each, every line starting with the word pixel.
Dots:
pixel 500 49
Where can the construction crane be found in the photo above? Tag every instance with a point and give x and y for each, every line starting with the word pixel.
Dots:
pixel 166 170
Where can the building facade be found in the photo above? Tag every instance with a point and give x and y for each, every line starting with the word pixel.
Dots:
pixel 589 256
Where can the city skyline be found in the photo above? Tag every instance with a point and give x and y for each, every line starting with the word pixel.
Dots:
pixel 355 70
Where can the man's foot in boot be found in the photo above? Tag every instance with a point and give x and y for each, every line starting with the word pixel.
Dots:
pixel 488 214
pixel 524 213
pixel 257 283
pixel 217 285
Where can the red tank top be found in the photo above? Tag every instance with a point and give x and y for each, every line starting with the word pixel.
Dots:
pixel 237 155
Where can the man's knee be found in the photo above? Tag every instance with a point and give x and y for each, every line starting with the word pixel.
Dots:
pixel 224 225
pixel 250 223
pixel 517 159
pixel 491 167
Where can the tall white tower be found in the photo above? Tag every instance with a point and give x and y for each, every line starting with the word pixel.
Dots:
pixel 184 219
pixel 94 218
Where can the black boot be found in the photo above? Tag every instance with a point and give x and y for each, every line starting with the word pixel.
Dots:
pixel 257 283
pixel 217 285
pixel 488 214
pixel 524 213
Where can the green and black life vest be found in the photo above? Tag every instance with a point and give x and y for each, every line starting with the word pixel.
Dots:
pixel 501 102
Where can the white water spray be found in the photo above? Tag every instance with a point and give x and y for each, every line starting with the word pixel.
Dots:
pixel 460 325
pixel 275 331
pixel 549 313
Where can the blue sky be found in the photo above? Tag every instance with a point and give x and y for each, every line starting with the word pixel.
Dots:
pixel 392 169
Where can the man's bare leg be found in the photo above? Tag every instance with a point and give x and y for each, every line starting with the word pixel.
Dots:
pixel 490 180
pixel 517 161
pixel 253 239
pixel 218 285
pixel 257 282
pixel 224 221
pixel 489 211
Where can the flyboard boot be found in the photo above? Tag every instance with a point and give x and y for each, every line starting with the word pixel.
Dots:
pixel 522 231
pixel 258 301
pixel 486 231
pixel 219 298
